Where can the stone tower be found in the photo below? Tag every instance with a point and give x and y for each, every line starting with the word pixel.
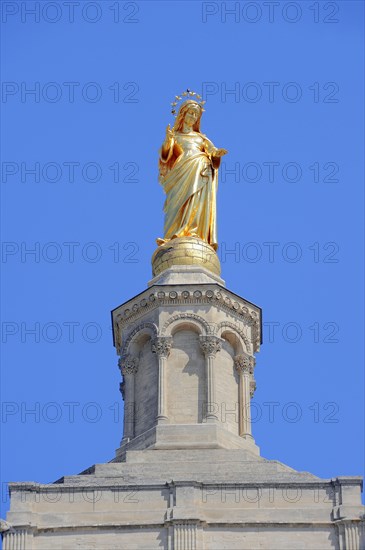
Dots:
pixel 187 474
pixel 186 347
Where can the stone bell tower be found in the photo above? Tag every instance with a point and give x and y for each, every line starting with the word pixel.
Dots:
pixel 186 347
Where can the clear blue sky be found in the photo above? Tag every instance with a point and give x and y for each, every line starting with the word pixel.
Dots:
pixel 292 212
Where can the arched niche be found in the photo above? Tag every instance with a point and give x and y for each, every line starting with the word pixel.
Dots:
pixel 185 374
pixel 195 322
pixel 235 336
pixel 138 344
pixel 227 380
pixel 138 337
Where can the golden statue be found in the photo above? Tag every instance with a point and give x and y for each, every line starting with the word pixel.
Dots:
pixel 188 172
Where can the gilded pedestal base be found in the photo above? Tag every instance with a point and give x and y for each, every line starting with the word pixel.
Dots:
pixel 185 251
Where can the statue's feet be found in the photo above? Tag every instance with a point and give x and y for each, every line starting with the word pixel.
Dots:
pixel 160 241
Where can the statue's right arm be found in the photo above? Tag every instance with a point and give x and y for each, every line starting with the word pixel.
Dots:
pixel 168 145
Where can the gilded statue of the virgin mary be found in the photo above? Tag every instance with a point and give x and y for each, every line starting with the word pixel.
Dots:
pixel 188 172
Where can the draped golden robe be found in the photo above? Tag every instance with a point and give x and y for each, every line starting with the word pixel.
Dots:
pixel 189 176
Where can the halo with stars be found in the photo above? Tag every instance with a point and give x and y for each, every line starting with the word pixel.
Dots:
pixel 188 94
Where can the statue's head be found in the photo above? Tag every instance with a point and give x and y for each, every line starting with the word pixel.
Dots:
pixel 190 111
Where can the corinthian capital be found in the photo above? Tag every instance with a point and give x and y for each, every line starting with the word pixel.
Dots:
pixel 244 364
pixel 210 345
pixel 128 364
pixel 162 346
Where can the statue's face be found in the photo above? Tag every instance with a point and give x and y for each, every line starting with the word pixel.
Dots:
pixel 191 116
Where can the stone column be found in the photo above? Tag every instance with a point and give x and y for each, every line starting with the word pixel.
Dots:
pixel 244 365
pixel 162 346
pixel 351 535
pixel 18 539
pixel 128 366
pixel 210 346
pixel 185 535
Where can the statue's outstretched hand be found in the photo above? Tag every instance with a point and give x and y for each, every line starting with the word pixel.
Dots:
pixel 220 152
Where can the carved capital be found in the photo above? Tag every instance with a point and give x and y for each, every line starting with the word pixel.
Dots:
pixel 162 346
pixel 210 345
pixel 244 364
pixel 4 526
pixel 128 364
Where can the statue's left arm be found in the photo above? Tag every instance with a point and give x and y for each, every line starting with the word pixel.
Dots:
pixel 214 153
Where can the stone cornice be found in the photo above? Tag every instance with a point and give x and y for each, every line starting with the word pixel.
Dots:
pixel 183 295
pixel 147 524
pixel 81 482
